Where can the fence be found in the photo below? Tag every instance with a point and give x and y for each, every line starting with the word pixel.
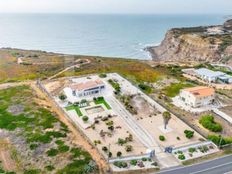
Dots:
pixel 41 87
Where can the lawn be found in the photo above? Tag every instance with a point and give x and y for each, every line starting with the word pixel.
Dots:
pixel 76 108
pixel 174 89
pixel 101 100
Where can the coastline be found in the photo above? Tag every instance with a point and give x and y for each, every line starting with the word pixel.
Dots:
pixel 151 52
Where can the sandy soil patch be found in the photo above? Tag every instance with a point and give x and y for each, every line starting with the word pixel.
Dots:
pixel 8 163
pixel 175 129
pixel 143 108
pixel 111 137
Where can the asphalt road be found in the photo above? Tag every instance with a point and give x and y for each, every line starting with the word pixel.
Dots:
pixel 217 166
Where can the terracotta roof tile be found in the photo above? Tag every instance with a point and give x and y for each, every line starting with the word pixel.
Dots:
pixel 200 91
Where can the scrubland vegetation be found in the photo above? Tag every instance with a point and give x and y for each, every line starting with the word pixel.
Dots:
pixel 38 129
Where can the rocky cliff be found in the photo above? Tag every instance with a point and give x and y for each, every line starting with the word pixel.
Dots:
pixel 206 44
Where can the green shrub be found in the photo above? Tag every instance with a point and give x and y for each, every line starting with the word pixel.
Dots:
pixel 85 118
pixel 120 164
pixel 161 138
pixel 128 148
pixel 52 152
pixel 59 142
pixel 62 96
pixel 181 157
pixel 121 141
pixel 33 146
pixel 50 168
pixel 103 75
pixel 203 149
pixel 189 134
pixel 144 159
pixel 219 140
pixel 63 148
pixel 191 149
pixel 147 89
pixel 133 162
pixel 115 85
pixel 208 122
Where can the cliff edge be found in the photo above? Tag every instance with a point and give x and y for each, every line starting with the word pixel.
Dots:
pixel 203 44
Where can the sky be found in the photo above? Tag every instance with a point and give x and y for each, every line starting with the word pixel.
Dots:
pixel 117 6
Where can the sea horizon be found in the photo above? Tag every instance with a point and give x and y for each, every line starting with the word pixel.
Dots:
pixel 107 35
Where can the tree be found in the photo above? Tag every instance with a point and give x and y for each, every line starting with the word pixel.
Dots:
pixel 166 118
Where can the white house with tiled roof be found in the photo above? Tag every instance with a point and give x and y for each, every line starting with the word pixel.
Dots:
pixel 197 96
pixel 83 88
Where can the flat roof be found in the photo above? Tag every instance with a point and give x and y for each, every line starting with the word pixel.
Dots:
pixel 200 91
pixel 209 73
pixel 225 77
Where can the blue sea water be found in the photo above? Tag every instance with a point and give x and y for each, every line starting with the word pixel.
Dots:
pixel 101 35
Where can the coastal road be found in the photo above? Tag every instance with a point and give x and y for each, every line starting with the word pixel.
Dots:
pixel 218 166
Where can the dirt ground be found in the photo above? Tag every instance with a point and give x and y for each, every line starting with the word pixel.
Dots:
pixel 7 162
pixel 142 107
pixel 54 87
pixel 121 131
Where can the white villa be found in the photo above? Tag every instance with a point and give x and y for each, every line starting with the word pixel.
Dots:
pixel 88 88
pixel 197 96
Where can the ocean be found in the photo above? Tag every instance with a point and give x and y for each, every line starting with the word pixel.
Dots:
pixel 86 34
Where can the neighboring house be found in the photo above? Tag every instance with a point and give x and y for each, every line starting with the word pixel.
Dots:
pixel 197 96
pixel 87 88
pixel 225 79
pixel 208 75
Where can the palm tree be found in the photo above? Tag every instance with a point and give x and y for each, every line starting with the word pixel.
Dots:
pixel 166 117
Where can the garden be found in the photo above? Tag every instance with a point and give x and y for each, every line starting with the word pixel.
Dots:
pixel 136 164
pixel 195 151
